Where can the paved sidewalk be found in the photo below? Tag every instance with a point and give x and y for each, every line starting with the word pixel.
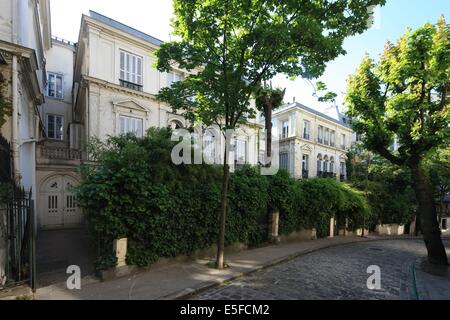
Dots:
pixel 432 282
pixel 181 280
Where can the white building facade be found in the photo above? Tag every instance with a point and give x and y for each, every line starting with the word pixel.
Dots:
pixel 312 144
pixel 106 85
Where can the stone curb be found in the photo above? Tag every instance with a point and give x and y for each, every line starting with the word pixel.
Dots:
pixel 207 285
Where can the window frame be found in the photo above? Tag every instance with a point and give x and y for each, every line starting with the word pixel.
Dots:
pixel 129 70
pixel 236 149
pixel 57 94
pixel 285 129
pixel 127 117
pixel 306 129
pixel 55 137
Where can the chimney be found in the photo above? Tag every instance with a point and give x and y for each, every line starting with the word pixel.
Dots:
pixel 293 99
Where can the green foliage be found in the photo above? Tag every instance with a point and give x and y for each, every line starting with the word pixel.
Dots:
pixel 135 191
pixel 326 96
pixel 235 45
pixel 387 187
pixel 313 202
pixel 265 95
pixel 405 95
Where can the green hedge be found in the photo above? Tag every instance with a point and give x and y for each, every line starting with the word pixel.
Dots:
pixel 135 191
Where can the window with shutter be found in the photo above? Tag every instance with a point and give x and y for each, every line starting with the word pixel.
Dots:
pixel 130 69
pixel 131 125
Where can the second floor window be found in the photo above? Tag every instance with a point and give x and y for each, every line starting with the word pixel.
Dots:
pixel 285 132
pixel 130 68
pixel 320 134
pixel 173 77
pixel 131 125
pixel 327 136
pixel 55 86
pixel 332 138
pixel 306 130
pixel 55 127
pixel 343 141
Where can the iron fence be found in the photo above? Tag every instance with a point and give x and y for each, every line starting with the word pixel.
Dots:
pixel 17 227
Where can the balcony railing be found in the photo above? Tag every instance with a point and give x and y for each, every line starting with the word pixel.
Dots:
pixel 322 174
pixel 306 136
pixel 130 85
pixel 59 153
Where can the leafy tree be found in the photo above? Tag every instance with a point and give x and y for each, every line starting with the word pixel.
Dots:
pixel 232 46
pixel 438 166
pixel 405 95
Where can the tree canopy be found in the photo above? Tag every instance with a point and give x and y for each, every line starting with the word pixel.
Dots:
pixel 232 46
pixel 405 94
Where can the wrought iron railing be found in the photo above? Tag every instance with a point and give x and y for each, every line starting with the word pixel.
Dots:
pixel 19 232
pixel 323 174
pixel 131 85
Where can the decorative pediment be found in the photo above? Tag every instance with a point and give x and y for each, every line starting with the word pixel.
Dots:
pixel 306 148
pixel 130 104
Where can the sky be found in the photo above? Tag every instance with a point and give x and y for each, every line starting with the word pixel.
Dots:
pixel 153 17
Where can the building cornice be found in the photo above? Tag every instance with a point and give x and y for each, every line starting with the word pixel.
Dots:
pixel 28 61
pixel 292 108
pixel 86 80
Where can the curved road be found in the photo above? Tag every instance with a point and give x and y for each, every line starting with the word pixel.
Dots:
pixel 334 273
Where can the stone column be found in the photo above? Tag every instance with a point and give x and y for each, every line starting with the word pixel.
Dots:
pixel 120 249
pixel 332 227
pixel 274 225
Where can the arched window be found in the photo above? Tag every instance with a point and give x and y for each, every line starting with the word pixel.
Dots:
pixel 175 124
pixel 319 165
pixel 332 164
pixel 325 164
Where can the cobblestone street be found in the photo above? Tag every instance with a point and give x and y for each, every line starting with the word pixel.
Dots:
pixel 334 273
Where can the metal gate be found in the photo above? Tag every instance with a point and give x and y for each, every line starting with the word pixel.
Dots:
pixel 21 254
pixel 17 226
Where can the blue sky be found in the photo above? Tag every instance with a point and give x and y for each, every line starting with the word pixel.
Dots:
pixel 152 17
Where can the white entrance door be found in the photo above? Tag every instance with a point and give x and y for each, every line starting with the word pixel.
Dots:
pixel 58 204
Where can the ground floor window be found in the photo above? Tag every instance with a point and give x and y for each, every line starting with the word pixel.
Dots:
pixel 131 125
pixel 284 161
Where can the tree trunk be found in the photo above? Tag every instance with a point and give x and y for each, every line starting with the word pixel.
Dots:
pixel 268 117
pixel 223 214
pixel 428 216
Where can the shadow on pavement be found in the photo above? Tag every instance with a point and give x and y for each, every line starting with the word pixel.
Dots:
pixel 56 250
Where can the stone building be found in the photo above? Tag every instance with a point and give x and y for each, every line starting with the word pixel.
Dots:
pixel 106 85
pixel 311 143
